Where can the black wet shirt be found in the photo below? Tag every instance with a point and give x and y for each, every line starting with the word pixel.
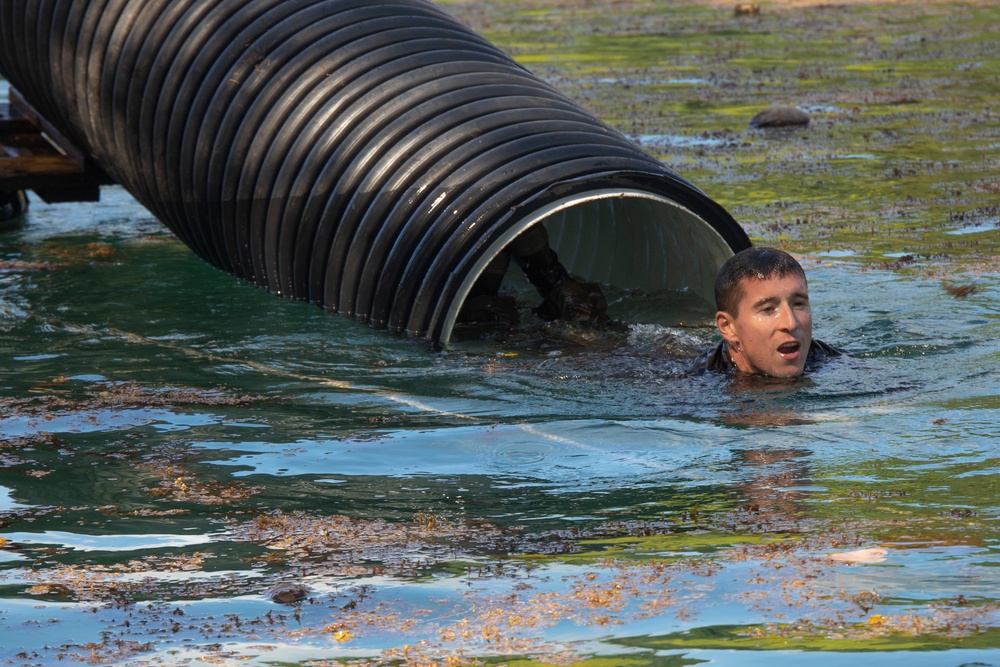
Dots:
pixel 718 358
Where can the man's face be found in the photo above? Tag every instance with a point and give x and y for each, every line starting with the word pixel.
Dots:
pixel 772 330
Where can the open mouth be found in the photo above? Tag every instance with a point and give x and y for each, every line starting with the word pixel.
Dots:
pixel 789 348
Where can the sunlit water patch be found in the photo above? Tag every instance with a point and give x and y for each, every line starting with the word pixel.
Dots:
pixel 647 81
pixel 666 141
pixel 987 226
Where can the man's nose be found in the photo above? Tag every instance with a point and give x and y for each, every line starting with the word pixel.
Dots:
pixel 790 320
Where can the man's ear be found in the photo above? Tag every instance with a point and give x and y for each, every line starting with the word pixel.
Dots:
pixel 727 326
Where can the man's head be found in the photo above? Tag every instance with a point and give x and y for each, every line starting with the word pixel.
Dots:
pixel 763 312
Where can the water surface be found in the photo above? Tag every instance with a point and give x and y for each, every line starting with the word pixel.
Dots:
pixel 177 442
pixel 196 472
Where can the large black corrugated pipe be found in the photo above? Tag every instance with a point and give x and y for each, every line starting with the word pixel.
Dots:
pixel 372 157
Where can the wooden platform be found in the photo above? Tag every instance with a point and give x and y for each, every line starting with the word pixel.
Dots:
pixel 35 156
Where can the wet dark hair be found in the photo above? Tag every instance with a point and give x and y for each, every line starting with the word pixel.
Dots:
pixel 758 263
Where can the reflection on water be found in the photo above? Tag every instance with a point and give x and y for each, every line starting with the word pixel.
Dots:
pixel 176 442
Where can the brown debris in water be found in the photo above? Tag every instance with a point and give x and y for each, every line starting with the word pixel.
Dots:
pixel 186 489
pixel 12 451
pixel 20 265
pixel 792 573
pixel 105 584
pixel 178 482
pixel 108 651
pixel 54 396
pixel 133 393
pixel 144 512
pixel 71 254
pixel 959 291
pixel 360 546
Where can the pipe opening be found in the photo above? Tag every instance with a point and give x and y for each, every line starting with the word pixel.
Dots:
pixel 655 260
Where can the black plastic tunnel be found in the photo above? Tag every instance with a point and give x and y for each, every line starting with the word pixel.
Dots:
pixel 371 157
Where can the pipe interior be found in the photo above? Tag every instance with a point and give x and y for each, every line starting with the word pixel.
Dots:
pixel 656 259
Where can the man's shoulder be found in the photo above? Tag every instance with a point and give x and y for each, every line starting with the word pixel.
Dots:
pixel 713 359
pixel 819 350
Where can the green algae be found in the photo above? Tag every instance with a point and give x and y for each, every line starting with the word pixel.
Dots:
pixel 670 547
pixel 904 100
pixel 797 637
